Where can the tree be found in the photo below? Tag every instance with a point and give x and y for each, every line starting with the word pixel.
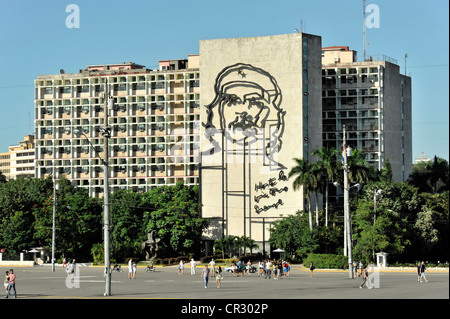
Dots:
pixel 2 178
pixel 358 167
pixel 293 235
pixel 305 177
pixel 127 212
pixel 431 176
pixel 174 213
pixel 77 220
pixel 328 166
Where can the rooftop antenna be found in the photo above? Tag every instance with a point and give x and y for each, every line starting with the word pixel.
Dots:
pixel 301 27
pixel 406 56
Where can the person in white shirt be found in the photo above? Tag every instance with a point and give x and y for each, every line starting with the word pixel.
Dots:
pixel 193 264
pixel 212 264
pixel 130 269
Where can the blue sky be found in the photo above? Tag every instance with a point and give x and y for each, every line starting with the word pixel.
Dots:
pixel 35 40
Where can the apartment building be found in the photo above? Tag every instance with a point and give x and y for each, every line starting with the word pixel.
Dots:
pixel 19 160
pixel 154 135
pixel 373 100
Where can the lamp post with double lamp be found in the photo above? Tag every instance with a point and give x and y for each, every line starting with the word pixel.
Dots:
pixel 347 151
pixel 106 133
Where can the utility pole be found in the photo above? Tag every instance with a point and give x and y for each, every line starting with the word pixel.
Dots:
pixel 347 216
pixel 106 213
pixel 54 223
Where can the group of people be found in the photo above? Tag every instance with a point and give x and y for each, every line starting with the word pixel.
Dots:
pixel 207 271
pixel 277 268
pixel 132 269
pixel 10 283
pixel 70 266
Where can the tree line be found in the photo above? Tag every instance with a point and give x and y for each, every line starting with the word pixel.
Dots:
pixel 26 217
pixel 408 220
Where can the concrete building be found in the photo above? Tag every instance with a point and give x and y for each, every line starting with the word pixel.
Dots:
pixel 373 100
pixel 260 103
pixel 154 138
pixel 19 160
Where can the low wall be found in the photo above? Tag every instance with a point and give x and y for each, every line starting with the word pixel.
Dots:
pixel 16 263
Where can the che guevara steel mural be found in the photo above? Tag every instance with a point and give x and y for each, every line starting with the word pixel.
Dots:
pixel 246 120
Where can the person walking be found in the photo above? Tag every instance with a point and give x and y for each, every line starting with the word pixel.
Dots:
pixel 365 275
pixel 212 264
pixel 130 268
pixel 422 272
pixel 268 269
pixel 181 268
pixel 11 283
pixel 419 267
pixel 260 268
pixel 193 264
pixel 6 282
pixel 219 277
pixel 311 269
pixel 134 270
pixel 205 275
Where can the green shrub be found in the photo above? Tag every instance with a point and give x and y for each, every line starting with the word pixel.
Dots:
pixel 326 261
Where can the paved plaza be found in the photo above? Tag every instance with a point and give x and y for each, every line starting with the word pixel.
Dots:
pixel 165 283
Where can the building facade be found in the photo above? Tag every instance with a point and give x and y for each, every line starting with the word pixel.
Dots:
pixel 373 100
pixel 19 160
pixel 154 138
pixel 260 108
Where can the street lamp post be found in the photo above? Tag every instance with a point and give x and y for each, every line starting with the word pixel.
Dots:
pixel 54 224
pixel 347 216
pixel 106 133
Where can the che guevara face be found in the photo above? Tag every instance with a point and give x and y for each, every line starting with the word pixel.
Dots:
pixel 244 108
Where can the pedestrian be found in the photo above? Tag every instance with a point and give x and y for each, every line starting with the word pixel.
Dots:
pixel 193 264
pixel 134 270
pixel 130 268
pixel 365 275
pixel 64 262
pixel 212 264
pixel 219 276
pixel 74 267
pixel 6 282
pixel 249 266
pixel 205 275
pixel 419 267
pixel 422 272
pixel 275 270
pixel 181 268
pixel 260 268
pixel 268 269
pixel 11 283
pixel 68 268
pixel 311 269
pixel 360 265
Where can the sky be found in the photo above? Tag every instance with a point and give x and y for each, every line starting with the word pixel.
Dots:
pixel 36 40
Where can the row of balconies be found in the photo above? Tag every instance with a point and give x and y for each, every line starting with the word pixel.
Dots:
pixel 115 90
pixel 123 171
pixel 89 111
pixel 131 78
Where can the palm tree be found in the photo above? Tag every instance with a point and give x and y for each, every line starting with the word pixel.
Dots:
pixel 304 177
pixel 328 165
pixel 358 167
pixel 317 186
pixel 247 242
